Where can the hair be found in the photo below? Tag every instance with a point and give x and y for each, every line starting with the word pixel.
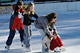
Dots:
pixel 16 6
pixel 19 3
pixel 28 8
pixel 50 17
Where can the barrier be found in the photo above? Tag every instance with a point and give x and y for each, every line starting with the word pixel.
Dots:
pixel 48 7
pixel 5 10
pixel 57 7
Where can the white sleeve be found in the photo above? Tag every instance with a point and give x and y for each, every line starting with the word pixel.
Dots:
pixel 20 15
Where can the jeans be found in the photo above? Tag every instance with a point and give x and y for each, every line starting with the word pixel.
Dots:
pixel 44 50
pixel 28 34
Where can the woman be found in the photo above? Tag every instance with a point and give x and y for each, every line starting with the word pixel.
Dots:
pixel 42 24
pixel 28 14
pixel 16 23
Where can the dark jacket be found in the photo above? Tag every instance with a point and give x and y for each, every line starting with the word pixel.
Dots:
pixel 28 18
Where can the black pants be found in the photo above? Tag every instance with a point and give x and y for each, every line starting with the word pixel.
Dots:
pixel 12 34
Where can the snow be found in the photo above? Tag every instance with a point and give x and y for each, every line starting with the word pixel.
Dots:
pixel 68 26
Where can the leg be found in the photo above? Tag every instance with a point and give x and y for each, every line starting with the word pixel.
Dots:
pixel 60 43
pixel 46 43
pixel 30 31
pixel 21 35
pixel 44 48
pixel 10 38
pixel 27 35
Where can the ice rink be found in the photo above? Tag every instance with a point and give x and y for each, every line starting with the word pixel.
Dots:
pixel 68 27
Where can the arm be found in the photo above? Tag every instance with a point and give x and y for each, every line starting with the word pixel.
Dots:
pixel 54 28
pixel 32 20
pixel 20 13
pixel 24 12
pixel 35 15
pixel 45 28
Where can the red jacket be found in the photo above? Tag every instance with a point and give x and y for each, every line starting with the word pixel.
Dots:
pixel 17 23
pixel 55 43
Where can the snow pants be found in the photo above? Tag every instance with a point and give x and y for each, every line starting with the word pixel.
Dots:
pixel 12 34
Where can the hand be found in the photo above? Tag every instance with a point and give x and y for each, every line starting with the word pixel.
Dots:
pixel 54 37
pixel 24 12
pixel 50 37
pixel 58 36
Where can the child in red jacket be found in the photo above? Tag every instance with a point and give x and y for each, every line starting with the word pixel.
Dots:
pixel 56 42
pixel 52 42
pixel 16 23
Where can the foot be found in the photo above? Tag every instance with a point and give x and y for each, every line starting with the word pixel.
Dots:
pixel 62 49
pixel 56 50
pixel 7 47
pixel 22 44
pixel 28 49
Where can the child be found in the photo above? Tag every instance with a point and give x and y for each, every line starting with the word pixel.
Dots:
pixel 51 42
pixel 56 44
pixel 47 39
pixel 42 24
pixel 28 14
pixel 16 23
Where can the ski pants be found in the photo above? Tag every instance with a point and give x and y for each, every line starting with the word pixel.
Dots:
pixel 12 34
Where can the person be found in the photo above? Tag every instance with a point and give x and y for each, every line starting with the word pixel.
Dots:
pixel 42 24
pixel 16 23
pixel 46 41
pixel 28 14
pixel 54 42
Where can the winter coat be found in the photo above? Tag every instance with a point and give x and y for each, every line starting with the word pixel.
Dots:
pixel 15 21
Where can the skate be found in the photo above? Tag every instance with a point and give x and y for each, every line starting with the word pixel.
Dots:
pixel 56 50
pixel 28 49
pixel 22 44
pixel 7 47
pixel 62 49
